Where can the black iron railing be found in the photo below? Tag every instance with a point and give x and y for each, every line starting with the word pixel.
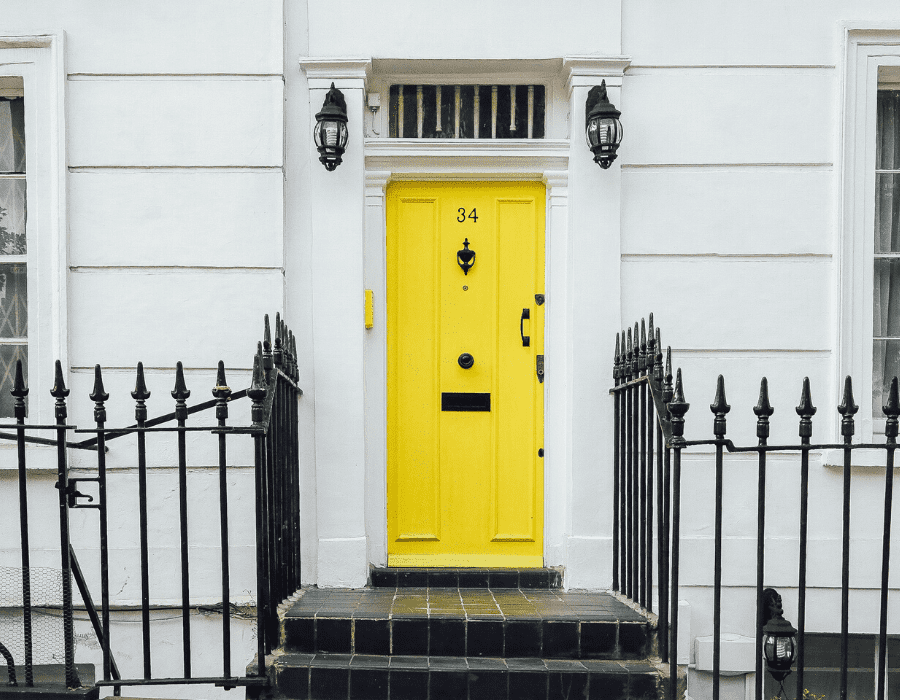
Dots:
pixel 649 420
pixel 273 392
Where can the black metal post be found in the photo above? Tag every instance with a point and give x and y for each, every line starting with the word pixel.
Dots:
pixel 616 427
pixel 650 356
pixel 665 510
pixel 891 411
pixel 678 407
pixel 99 397
pixel 222 393
pixel 763 411
pixel 624 566
pixel 629 471
pixel 140 395
pixel 642 371
pixel 719 407
pixel 20 391
pixel 806 411
pixel 59 392
pixel 257 394
pixel 181 393
pixel 847 410
pixel 635 471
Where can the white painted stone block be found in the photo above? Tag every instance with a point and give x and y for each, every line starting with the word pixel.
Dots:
pixel 783 303
pixel 727 210
pixel 176 218
pixel 168 36
pixel 188 314
pixel 175 122
pixel 719 126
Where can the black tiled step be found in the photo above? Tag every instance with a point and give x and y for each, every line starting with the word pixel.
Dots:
pixel 463 622
pixel 436 636
pixel 528 579
pixel 344 677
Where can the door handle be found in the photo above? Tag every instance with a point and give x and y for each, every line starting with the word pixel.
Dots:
pixel 526 339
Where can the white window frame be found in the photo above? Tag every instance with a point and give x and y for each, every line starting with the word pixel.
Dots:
pixel 866 49
pixel 40 61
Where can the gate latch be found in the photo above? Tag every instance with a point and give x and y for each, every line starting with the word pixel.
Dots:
pixel 539 367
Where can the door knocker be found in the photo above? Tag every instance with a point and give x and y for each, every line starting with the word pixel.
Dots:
pixel 465 258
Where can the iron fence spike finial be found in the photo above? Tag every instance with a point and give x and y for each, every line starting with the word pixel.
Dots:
pixel 892 410
pixel 806 411
pixel 221 392
pixel 650 333
pixel 98 395
pixel 617 373
pixel 658 372
pixel 847 409
pixel 677 408
pixel 267 334
pixel 221 383
pixel 678 396
pixel 806 407
pixel 636 355
pixel 763 408
pixel 642 359
pixel 140 392
pixel 59 383
pixel 19 389
pixel 257 390
pixel 892 407
pixel 719 407
pixel 180 392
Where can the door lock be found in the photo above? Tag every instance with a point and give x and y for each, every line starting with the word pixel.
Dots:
pixel 539 368
pixel 466 360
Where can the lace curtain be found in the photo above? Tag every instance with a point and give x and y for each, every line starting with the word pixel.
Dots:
pixel 886 358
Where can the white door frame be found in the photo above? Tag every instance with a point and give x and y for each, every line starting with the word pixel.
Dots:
pixel 544 161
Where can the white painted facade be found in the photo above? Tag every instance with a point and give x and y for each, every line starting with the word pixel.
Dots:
pixel 175 196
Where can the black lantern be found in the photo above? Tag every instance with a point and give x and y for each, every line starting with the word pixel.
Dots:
pixel 604 130
pixel 330 132
pixel 779 637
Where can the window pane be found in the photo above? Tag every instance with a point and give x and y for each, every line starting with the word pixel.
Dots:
pixel 887 155
pixel 12 217
pixel 887 213
pixel 12 135
pixel 13 301
pixel 885 366
pixel 8 356
pixel 886 309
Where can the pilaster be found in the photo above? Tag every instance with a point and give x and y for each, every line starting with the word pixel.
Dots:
pixel 337 216
pixel 593 315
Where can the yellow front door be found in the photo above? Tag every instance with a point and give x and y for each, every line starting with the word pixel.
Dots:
pixel 465 404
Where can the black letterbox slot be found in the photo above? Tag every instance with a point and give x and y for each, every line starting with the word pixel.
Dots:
pixel 462 401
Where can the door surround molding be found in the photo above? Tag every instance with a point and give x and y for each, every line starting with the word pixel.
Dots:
pixel 547 162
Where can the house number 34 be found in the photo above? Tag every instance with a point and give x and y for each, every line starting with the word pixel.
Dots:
pixel 462 215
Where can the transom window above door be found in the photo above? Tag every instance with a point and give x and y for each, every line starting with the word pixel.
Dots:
pixel 467 111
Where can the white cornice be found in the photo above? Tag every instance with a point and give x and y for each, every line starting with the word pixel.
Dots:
pixel 507 159
pixel 345 73
pixel 585 71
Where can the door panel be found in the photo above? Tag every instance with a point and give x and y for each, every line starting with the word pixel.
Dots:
pixel 465 484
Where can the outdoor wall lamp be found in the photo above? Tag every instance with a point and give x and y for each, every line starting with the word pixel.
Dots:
pixel 779 637
pixel 330 133
pixel 604 130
